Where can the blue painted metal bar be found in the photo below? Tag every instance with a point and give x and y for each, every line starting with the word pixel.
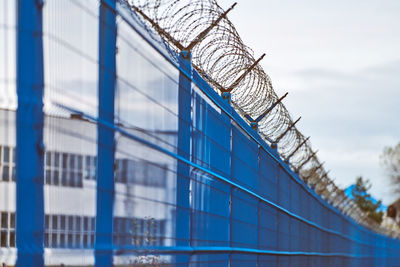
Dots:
pixel 105 135
pixel 128 250
pixel 182 220
pixel 30 146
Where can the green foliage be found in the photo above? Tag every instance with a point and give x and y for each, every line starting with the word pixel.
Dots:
pixel 364 201
pixel 390 160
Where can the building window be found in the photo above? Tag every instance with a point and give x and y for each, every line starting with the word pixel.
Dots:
pixel 7 229
pixel 155 174
pixel 65 231
pixel 48 159
pixel 65 160
pixel 6 173
pixel 139 231
pixel 71 223
pixel 69 172
pixel 71 161
pixel 64 179
pixel 54 242
pixel 3 238
pixel 79 159
pixel 62 222
pixel 90 168
pixel 70 241
pixel 56 159
pixel 86 241
pixel 47 221
pixel 48 177
pixel 4 220
pixel 12 239
pixel 56 177
pixel 14 156
pixel 12 220
pixel 71 179
pixel 14 174
pixel 6 154
pixel 47 240
pixel 7 167
pixel 62 240
pixel 55 222
pixel 140 172
pixel 86 224
pixel 78 224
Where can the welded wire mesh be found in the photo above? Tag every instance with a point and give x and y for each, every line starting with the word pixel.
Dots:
pixel 202 28
pixel 239 201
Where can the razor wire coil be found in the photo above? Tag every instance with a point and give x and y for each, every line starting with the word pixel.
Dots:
pixel 219 55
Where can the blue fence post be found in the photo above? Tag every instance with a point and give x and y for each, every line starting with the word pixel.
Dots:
pixel 29 131
pixel 182 224
pixel 105 136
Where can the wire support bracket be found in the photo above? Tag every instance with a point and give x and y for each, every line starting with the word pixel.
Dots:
pixel 297 148
pixel 254 122
pixel 275 143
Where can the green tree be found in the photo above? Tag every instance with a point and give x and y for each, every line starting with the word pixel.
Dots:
pixel 364 200
pixel 390 160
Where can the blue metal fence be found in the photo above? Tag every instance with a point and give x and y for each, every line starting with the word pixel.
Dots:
pixel 137 161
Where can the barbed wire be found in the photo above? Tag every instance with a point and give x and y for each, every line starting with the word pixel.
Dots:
pixel 219 55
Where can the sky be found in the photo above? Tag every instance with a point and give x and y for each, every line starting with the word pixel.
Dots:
pixel 340 62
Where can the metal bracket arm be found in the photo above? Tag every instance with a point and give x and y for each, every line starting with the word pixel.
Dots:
pixel 254 123
pixel 160 30
pixel 285 132
pixel 313 171
pixel 203 34
pixel 241 77
pixel 297 148
pixel 270 108
pixel 305 162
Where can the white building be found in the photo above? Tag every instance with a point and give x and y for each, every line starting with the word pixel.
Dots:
pixel 144 191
